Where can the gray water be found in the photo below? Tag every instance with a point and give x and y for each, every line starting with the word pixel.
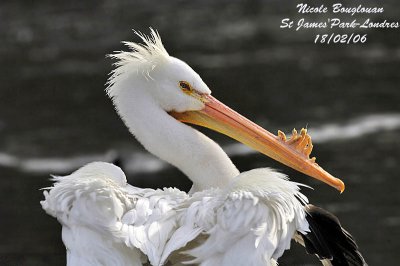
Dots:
pixel 54 115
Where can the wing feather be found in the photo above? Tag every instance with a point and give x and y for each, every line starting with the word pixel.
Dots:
pixel 250 223
pixel 328 240
pixel 108 222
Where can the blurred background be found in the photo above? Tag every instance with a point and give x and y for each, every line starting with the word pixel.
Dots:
pixel 55 116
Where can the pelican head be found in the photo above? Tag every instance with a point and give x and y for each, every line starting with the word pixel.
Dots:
pixel 153 92
pixel 170 82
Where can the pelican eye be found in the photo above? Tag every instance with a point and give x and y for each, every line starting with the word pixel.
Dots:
pixel 185 86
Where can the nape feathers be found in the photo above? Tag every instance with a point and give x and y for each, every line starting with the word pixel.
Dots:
pixel 142 58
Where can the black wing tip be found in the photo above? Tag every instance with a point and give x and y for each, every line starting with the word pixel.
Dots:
pixel 328 240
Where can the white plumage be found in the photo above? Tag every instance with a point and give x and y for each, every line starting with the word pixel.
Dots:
pixel 250 222
pixel 108 222
pixel 90 204
pixel 228 218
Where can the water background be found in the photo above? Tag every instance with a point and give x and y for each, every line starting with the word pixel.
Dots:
pixel 54 115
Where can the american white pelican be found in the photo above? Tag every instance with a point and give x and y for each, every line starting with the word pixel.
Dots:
pixel 228 218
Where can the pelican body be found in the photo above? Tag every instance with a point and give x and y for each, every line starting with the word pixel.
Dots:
pixel 227 218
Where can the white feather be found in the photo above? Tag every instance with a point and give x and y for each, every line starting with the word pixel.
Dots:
pixel 104 224
pixel 249 223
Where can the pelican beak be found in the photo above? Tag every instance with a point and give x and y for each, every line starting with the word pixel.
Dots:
pixel 293 152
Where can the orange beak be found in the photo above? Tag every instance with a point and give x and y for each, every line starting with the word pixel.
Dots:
pixel 293 152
